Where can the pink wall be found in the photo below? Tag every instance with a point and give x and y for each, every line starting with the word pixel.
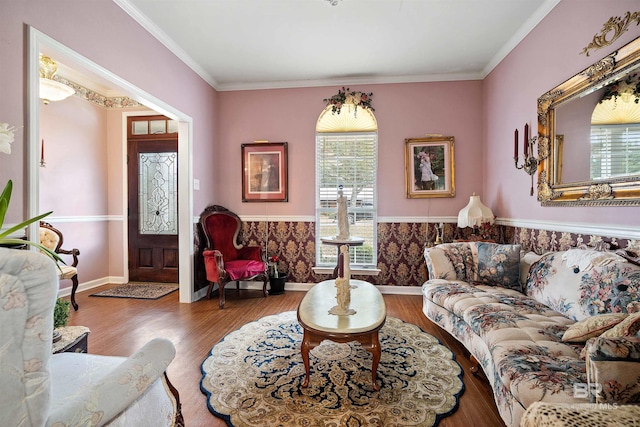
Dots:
pixel 74 182
pixel 105 34
pixel 401 110
pixel 549 55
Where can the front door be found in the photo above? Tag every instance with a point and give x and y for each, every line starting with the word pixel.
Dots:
pixel 152 168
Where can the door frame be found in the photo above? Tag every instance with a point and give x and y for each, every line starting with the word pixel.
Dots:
pixel 36 40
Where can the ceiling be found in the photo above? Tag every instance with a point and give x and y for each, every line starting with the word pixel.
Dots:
pixel 256 44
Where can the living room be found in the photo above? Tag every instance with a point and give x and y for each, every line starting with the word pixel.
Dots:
pixel 481 114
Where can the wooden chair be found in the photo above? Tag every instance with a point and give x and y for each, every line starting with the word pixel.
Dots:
pixel 225 258
pixel 51 238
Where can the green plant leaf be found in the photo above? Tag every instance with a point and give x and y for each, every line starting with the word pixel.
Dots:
pixel 22 225
pixel 5 197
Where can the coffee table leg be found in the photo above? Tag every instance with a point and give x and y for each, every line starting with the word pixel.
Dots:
pixel 304 349
pixel 376 352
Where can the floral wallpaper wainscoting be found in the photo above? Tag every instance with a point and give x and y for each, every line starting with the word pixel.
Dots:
pixel 400 246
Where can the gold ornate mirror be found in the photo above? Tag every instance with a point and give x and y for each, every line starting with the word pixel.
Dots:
pixel 589 135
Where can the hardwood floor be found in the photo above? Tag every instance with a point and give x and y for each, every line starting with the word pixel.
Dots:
pixel 120 326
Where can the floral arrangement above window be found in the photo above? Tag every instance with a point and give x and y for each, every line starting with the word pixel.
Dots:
pixel 627 87
pixel 346 97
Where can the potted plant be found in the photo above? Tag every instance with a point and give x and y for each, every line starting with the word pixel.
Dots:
pixel 60 316
pixel 276 279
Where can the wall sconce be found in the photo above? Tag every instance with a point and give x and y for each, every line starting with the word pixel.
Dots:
pixel 51 90
pixel 530 165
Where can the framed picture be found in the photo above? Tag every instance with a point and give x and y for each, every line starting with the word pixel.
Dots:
pixel 429 167
pixel 264 172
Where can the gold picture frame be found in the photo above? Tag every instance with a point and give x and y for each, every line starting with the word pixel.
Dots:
pixel 429 167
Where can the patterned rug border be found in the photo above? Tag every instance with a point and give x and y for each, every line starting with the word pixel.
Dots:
pixel 109 293
pixel 227 418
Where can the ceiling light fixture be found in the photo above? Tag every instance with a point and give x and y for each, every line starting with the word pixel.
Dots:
pixel 51 90
pixel 333 2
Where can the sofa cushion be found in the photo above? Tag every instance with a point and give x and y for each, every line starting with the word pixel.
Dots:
pixel 628 327
pixel 592 327
pixel 499 265
pixel 610 288
pixel 452 261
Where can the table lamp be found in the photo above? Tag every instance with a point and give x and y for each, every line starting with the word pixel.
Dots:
pixel 475 213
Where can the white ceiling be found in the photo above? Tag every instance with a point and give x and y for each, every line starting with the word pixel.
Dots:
pixel 255 44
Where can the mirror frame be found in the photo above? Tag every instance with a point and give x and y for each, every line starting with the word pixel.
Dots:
pixel 623 191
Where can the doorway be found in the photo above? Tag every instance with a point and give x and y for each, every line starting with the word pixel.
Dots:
pixel 38 41
pixel 152 181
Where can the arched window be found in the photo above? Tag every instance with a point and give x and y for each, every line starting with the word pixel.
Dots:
pixel 615 138
pixel 347 156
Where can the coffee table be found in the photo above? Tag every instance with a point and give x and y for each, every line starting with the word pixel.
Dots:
pixel 363 326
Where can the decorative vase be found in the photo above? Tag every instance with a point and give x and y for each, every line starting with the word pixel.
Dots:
pixel 276 284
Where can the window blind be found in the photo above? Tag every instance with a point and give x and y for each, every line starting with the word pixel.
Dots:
pixel 614 150
pixel 350 160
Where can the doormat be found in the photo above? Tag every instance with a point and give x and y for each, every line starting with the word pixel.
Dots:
pixel 139 290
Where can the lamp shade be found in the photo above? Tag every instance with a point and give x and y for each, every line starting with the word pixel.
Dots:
pixel 50 89
pixel 475 213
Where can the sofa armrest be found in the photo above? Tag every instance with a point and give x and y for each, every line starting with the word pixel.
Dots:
pixel 119 388
pixel 613 369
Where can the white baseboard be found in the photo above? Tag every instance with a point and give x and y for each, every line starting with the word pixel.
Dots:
pixel 66 291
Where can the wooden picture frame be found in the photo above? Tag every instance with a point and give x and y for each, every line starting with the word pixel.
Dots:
pixel 429 167
pixel 265 172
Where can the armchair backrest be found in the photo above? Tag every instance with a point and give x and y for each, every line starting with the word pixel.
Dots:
pixel 28 289
pixel 50 237
pixel 222 228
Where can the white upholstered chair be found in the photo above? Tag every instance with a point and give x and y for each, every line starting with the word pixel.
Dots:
pixel 52 239
pixel 39 388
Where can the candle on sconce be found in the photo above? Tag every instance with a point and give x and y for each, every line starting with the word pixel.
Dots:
pixel 515 145
pixel 526 140
pixel 42 151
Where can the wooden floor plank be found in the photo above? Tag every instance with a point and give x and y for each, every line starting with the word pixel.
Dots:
pixel 120 326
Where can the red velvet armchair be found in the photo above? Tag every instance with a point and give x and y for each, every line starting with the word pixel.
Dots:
pixel 225 259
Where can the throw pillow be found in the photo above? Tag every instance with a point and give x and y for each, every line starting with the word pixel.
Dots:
pixel 526 261
pixel 499 265
pixel 592 327
pixel 628 327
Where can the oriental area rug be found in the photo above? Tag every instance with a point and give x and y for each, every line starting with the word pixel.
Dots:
pixel 253 377
pixel 139 290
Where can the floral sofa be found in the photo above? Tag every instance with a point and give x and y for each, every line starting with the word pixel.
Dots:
pixel 560 328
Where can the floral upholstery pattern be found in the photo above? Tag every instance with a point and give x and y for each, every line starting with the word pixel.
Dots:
pixel 610 288
pixel 592 327
pixel 612 369
pixel 41 389
pixel 499 265
pixel 517 338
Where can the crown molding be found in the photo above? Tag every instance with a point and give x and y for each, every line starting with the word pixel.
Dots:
pixel 167 41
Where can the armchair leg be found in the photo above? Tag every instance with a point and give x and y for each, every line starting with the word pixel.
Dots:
pixel 74 287
pixel 265 292
pixel 221 295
